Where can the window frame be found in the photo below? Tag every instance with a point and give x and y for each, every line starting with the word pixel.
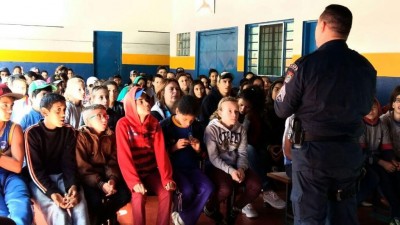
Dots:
pixel 185 49
pixel 260 50
pixel 253 30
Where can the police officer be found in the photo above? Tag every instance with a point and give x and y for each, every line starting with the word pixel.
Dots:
pixel 329 91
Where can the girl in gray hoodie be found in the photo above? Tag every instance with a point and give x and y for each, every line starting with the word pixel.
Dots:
pixel 226 141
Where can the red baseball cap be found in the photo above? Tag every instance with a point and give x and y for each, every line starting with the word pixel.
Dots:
pixel 6 92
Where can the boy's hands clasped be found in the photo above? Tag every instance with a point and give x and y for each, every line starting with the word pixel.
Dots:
pixel 70 200
pixel 109 187
pixel 389 166
pixel 183 142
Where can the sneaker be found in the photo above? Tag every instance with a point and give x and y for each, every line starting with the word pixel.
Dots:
pixel 215 214
pixel 273 199
pixel 176 219
pixel 395 221
pixel 366 204
pixel 249 211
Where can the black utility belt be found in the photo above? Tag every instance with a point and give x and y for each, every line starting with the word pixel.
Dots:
pixel 340 138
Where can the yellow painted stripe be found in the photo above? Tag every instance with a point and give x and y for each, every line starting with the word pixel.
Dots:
pixel 187 62
pixel 386 64
pixel 76 57
pixel 143 59
pixel 240 63
pixel 45 56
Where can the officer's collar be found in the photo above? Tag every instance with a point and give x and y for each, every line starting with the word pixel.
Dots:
pixel 333 44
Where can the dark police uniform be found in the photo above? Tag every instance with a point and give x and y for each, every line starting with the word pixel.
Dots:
pixel 329 91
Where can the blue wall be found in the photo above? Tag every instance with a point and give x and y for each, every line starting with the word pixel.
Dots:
pixel 384 87
pixel 82 69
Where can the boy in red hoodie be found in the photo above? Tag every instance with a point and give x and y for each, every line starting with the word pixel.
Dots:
pixel 142 157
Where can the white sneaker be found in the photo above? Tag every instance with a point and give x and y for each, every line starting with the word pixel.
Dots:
pixel 176 219
pixel 273 199
pixel 249 211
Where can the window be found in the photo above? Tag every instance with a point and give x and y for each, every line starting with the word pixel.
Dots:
pixel 269 47
pixel 183 44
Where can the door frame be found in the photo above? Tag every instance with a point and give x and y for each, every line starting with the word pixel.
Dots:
pixel 306 28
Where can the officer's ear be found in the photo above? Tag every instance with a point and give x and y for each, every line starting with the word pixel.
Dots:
pixel 324 25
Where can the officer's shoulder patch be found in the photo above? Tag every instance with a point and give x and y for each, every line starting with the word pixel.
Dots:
pixel 281 94
pixel 291 70
pixel 294 67
pixel 289 75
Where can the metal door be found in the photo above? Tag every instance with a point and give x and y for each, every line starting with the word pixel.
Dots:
pixel 217 49
pixel 107 53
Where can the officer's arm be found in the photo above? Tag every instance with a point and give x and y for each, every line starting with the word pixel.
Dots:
pixel 290 95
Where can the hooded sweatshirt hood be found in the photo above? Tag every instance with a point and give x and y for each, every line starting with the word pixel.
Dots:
pixel 131 110
pixel 217 123
pixel 141 146
pixel 376 119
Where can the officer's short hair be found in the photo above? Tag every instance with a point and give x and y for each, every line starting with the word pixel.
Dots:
pixel 339 18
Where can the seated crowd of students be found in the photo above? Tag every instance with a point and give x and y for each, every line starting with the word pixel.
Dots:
pixel 90 148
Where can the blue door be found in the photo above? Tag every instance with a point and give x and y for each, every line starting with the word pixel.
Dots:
pixel 217 49
pixel 309 37
pixel 107 53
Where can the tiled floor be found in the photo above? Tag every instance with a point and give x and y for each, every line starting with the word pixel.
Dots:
pixel 267 215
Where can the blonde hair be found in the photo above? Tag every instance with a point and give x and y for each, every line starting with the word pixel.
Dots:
pixel 215 114
pixel 71 84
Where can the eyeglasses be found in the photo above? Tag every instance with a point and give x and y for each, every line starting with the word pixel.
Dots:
pixel 100 116
pixel 397 100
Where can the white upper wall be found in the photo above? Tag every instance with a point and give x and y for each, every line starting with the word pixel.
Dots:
pixel 68 25
pixel 374 29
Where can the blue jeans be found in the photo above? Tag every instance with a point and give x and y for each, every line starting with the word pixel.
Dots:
pixel 320 169
pixel 195 188
pixel 14 198
pixel 55 215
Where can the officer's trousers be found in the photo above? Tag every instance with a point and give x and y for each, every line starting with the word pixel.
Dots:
pixel 320 169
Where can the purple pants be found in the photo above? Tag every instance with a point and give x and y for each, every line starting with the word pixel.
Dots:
pixel 195 188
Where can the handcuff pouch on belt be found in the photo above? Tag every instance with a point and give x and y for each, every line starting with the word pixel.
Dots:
pixel 297 136
pixel 342 194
